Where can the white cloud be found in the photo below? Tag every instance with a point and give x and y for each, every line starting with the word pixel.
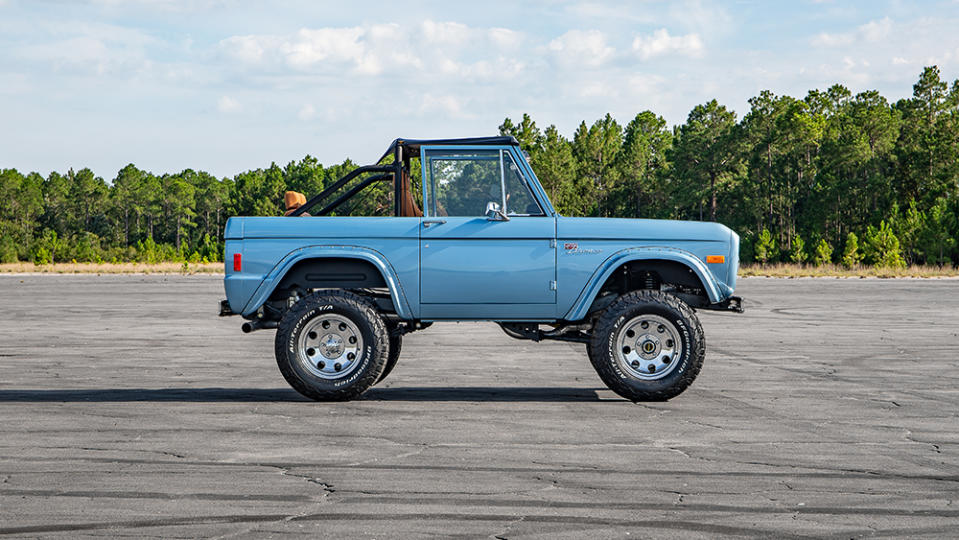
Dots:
pixel 227 104
pixel 91 48
pixel 445 104
pixel 445 33
pixel 447 47
pixel 504 38
pixel 661 43
pixel 307 112
pixel 873 31
pixel 309 47
pixel 582 48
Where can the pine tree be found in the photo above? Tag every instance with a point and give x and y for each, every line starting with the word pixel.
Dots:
pixel 798 252
pixel 850 254
pixel 823 253
pixel 882 247
pixel 765 247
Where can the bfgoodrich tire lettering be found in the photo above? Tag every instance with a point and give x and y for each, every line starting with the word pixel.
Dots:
pixel 303 359
pixel 662 354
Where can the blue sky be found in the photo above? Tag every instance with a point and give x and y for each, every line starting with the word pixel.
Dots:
pixel 229 85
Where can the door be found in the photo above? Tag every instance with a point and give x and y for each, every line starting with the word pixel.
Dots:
pixel 474 265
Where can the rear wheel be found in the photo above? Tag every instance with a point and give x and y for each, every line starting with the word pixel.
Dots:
pixel 331 346
pixel 647 346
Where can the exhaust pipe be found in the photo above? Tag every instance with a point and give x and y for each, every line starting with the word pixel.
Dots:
pixel 257 324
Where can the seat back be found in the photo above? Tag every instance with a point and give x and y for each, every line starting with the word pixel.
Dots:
pixel 293 200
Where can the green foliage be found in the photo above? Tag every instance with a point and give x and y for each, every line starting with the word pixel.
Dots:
pixel 938 237
pixel 823 255
pixel 851 257
pixel 882 248
pixel 42 256
pixel 832 167
pixel 8 250
pixel 797 253
pixel 765 247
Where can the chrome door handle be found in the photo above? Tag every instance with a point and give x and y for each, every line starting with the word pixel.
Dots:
pixel 428 222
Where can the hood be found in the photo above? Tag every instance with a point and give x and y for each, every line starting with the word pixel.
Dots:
pixel 653 231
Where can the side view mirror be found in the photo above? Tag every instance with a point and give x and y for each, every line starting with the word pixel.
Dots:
pixel 494 213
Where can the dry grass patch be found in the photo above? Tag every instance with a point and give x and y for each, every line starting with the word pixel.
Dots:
pixel 832 270
pixel 771 270
pixel 112 268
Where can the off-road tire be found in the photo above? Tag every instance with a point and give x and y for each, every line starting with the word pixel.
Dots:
pixel 370 360
pixel 602 348
pixel 396 345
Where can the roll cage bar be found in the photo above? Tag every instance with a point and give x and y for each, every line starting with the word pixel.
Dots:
pixel 402 150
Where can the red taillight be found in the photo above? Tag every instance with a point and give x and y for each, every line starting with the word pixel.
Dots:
pixel 237 262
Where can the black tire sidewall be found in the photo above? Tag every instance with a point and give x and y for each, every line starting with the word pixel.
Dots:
pixel 362 377
pixel 604 357
pixel 396 345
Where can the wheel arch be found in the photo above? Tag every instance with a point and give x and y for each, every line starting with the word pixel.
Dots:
pixel 675 266
pixel 346 260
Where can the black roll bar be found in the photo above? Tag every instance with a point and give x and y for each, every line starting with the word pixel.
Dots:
pixel 353 191
pixel 398 176
pixel 342 182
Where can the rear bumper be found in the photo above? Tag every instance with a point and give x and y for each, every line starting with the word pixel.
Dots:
pixel 225 310
pixel 733 303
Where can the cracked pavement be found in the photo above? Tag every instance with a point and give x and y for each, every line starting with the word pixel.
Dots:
pixel 127 408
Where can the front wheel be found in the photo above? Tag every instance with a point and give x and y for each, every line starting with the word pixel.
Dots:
pixel 647 346
pixel 331 346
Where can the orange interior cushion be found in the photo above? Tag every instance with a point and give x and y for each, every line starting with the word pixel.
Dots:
pixel 294 200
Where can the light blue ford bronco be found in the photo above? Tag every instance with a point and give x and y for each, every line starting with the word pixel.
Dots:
pixel 487 245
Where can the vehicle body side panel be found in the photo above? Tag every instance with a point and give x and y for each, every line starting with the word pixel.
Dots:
pixel 590 249
pixel 273 244
pixel 478 261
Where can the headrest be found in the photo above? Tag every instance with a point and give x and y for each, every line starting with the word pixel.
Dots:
pixel 294 200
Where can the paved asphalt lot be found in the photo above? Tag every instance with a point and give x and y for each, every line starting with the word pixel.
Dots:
pixel 127 408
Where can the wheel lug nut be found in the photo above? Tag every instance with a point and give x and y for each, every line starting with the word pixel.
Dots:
pixel 630 333
pixel 352 339
pixel 312 335
pixel 644 324
pixel 652 368
pixel 342 327
pixel 626 350
pixel 667 359
pixel 669 343
pixel 350 356
pixel 635 364
pixel 321 364
pixel 311 351
pixel 326 324
pixel 661 329
pixel 337 366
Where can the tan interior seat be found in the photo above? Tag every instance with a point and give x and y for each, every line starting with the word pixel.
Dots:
pixel 408 207
pixel 294 200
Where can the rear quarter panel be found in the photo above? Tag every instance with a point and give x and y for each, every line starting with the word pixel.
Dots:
pixel 269 245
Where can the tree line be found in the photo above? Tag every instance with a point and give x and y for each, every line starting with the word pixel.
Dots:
pixel 831 177
pixel 828 178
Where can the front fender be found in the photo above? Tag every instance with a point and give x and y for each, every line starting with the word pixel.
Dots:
pixel 715 290
pixel 272 279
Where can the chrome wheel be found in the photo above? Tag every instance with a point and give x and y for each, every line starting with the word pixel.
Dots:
pixel 330 346
pixel 648 347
